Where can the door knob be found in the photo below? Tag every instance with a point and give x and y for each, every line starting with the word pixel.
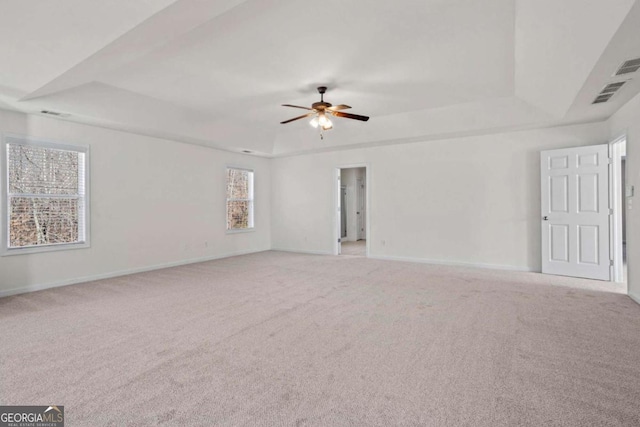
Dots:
pixel 545 218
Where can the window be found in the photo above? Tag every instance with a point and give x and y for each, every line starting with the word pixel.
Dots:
pixel 45 196
pixel 239 199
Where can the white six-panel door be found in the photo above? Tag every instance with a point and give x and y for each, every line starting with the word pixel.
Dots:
pixel 575 212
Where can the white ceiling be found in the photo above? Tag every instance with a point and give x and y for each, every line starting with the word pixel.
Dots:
pixel 214 72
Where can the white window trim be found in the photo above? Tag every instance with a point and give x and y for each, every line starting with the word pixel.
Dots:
pixel 5 250
pixel 253 201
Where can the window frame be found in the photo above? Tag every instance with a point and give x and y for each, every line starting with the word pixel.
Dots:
pixel 5 249
pixel 252 190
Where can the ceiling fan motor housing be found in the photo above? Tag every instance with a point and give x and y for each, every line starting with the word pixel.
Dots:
pixel 320 105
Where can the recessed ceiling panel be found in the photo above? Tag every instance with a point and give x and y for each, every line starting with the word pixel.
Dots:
pixel 214 72
pixel 41 39
pixel 374 55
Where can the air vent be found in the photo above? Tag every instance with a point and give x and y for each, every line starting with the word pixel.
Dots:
pixel 54 113
pixel 628 67
pixel 612 87
pixel 607 92
pixel 602 98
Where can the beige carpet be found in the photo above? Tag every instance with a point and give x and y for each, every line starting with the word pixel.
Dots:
pixel 277 339
pixel 358 248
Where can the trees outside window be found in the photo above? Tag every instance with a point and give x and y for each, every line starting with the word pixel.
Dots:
pixel 45 195
pixel 239 199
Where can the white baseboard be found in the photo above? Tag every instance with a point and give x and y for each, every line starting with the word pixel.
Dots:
pixel 635 298
pixel 420 260
pixel 301 251
pixel 453 263
pixel 74 281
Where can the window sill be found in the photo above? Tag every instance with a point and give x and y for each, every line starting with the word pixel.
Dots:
pixel 40 249
pixel 241 230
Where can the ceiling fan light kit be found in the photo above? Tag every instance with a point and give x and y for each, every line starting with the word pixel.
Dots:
pixel 320 112
pixel 321 120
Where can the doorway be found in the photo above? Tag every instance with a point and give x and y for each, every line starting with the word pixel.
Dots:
pixel 343 212
pixel 619 192
pixel 583 218
pixel 352 211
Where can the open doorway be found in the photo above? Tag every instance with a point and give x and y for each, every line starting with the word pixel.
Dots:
pixel 619 192
pixel 343 213
pixel 352 222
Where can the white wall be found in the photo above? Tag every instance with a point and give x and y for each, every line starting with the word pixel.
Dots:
pixel 153 203
pixel 627 121
pixel 473 200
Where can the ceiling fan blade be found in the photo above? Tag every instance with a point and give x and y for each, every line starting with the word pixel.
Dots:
pixel 297 106
pixel 297 118
pixel 338 107
pixel 350 116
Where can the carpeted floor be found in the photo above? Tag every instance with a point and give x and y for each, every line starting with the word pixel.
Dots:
pixel 358 248
pixel 278 339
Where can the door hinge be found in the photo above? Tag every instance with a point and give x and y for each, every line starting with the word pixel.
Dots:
pixel 610 211
pixel 339 240
pixel 611 263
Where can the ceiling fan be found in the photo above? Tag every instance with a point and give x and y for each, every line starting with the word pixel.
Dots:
pixel 320 112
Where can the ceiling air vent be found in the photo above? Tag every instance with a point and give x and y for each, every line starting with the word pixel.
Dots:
pixel 612 87
pixel 602 98
pixel 628 67
pixel 54 113
pixel 607 92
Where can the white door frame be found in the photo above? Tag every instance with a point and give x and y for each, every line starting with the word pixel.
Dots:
pixel 336 204
pixel 361 210
pixel 617 149
pixel 343 188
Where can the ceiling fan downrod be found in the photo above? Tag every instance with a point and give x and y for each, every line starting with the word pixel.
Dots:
pixel 321 91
